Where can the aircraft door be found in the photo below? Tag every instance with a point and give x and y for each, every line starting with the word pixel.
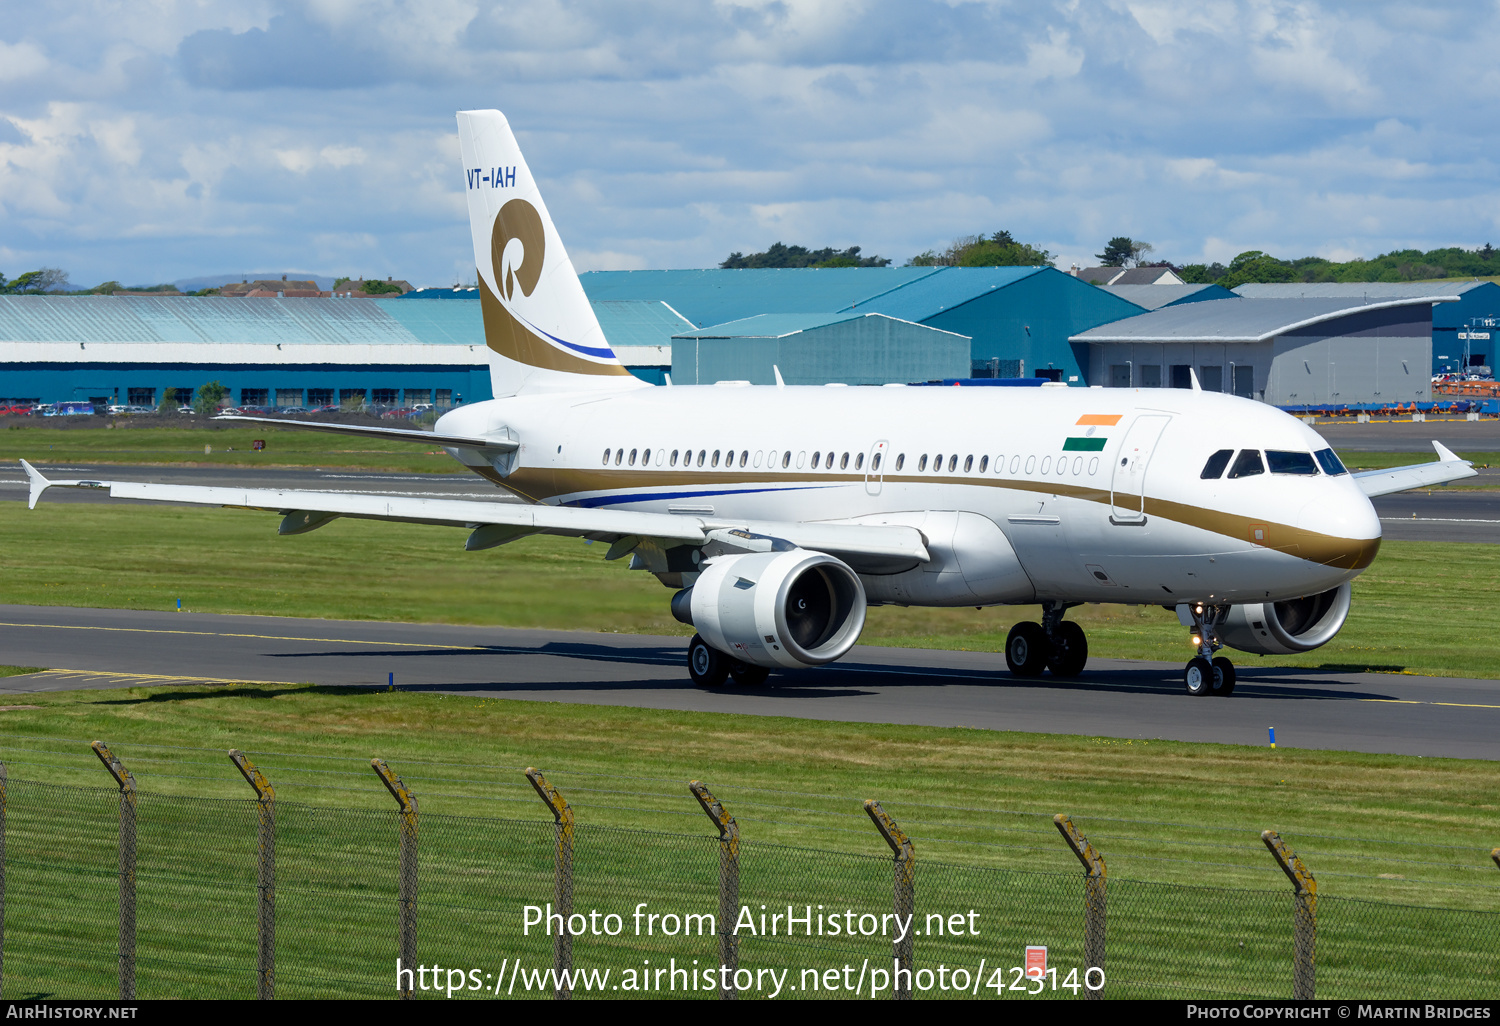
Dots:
pixel 875 467
pixel 1128 486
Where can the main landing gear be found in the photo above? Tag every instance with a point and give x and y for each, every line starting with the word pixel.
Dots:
pixel 1205 673
pixel 1054 644
pixel 710 668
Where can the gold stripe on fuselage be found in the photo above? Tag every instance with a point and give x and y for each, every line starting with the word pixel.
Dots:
pixel 539 484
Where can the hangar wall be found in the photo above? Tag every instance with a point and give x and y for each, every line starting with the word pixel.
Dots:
pixel 1383 356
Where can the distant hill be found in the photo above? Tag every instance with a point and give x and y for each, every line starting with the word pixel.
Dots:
pixel 213 281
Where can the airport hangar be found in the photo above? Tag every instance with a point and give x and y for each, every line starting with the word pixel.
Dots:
pixel 1286 352
pixel 849 325
pixel 1463 331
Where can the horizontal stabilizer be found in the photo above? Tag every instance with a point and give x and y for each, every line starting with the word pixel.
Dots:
pixel 392 434
pixel 1422 475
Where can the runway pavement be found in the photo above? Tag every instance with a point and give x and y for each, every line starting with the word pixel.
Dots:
pixel 1329 709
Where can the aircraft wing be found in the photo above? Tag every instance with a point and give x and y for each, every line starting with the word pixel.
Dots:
pixel 494 523
pixel 391 434
pixel 1423 475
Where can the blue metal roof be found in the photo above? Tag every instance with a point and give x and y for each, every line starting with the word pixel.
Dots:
pixel 714 296
pixel 932 294
pixel 634 322
pixel 457 321
pixel 768 325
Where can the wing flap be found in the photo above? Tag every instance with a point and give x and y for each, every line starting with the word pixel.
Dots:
pixel 853 540
pixel 1448 467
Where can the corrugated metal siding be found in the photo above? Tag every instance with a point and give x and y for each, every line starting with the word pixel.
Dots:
pixel 629 322
pixel 198 319
pixel 714 296
pixel 952 287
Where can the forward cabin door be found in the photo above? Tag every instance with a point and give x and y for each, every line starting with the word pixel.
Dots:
pixel 875 467
pixel 1128 486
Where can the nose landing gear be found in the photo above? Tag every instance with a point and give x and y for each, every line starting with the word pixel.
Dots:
pixel 1054 644
pixel 1205 673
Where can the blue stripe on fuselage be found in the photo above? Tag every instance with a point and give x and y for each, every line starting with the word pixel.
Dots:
pixel 594 501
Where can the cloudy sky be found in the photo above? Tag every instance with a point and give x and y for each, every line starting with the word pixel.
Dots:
pixel 151 140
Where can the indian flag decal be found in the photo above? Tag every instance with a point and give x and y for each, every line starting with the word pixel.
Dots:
pixel 1087 442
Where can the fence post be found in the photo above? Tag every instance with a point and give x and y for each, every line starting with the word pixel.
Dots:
pixel 4 801
pixel 905 896
pixel 127 866
pixel 729 887
pixel 1494 855
pixel 562 897
pixel 1304 916
pixel 265 923
pixel 1095 876
pixel 406 897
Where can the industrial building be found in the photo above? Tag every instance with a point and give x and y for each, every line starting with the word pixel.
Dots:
pixel 816 349
pixel 268 352
pixel 1018 319
pixel 1463 330
pixel 1287 352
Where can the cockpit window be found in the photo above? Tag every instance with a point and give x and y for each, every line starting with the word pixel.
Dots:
pixel 1330 462
pixel 1247 464
pixel 1300 463
pixel 1214 468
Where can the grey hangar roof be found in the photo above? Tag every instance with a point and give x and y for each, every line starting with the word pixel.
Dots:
pixel 1237 320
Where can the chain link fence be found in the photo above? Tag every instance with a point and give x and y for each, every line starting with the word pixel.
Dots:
pixel 644 915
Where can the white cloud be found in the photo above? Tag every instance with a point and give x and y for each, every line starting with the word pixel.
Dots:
pixel 20 60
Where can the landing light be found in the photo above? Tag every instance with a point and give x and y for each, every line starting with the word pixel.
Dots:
pixel 1197 641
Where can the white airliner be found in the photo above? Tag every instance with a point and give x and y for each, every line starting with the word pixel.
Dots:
pixel 777 514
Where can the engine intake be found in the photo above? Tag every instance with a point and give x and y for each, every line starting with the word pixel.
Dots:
pixel 776 609
pixel 1284 628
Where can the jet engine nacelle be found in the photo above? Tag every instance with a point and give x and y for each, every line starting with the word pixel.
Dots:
pixel 776 609
pixel 1283 628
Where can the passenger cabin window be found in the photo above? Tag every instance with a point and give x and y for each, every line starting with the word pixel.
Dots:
pixel 606 457
pixel 619 456
pixel 1330 462
pixel 922 463
pixel 968 464
pixel 816 457
pixel 1298 463
pixel 875 462
pixel 984 464
pixel 859 460
pixel 716 458
pixel 844 462
pixel 744 457
pixel 702 455
pixel 1247 464
pixel 786 459
pixel 900 460
pixel 952 463
pixel 674 457
pixel 632 457
pixel 1214 468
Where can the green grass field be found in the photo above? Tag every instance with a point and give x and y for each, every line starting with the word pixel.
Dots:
pixel 1197 907
pixel 231 448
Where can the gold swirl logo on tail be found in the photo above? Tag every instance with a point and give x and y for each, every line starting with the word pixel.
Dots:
pixel 519 223
pixel 518 247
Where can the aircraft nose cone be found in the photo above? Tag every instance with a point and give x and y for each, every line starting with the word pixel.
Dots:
pixel 1341 532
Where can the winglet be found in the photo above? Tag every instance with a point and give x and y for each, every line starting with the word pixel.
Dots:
pixel 39 484
pixel 1193 377
pixel 777 371
pixel 1445 454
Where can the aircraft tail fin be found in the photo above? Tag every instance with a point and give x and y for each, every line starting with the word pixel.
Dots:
pixel 538 323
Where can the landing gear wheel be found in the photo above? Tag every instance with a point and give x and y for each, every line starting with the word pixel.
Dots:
pixel 1223 680
pixel 1198 676
pixel 706 665
pixel 1070 650
pixel 747 675
pixel 1027 650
